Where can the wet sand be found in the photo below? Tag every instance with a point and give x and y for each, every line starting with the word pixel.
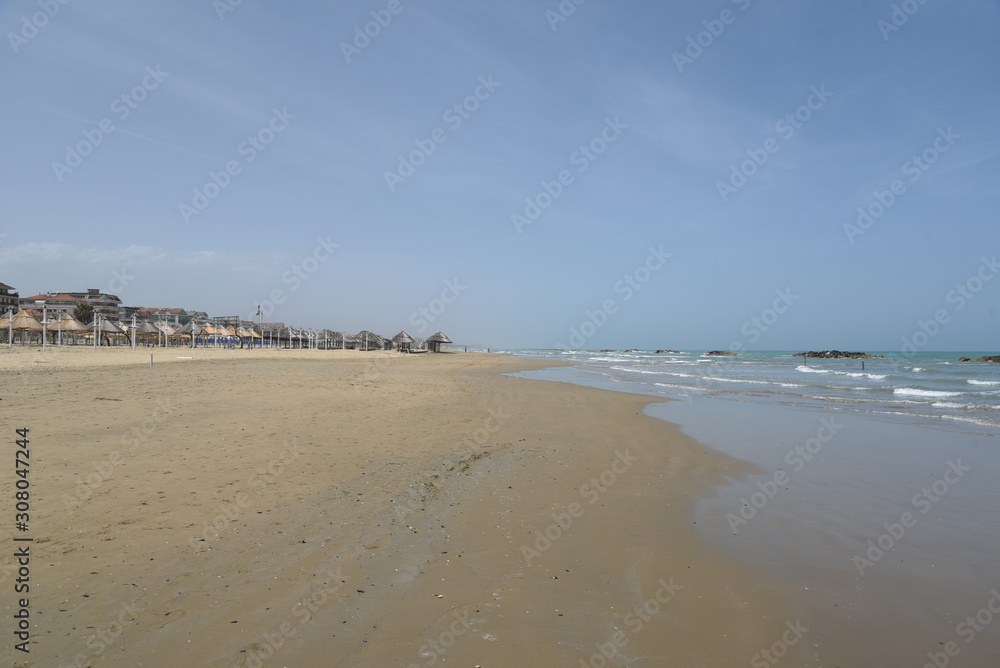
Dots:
pixel 307 508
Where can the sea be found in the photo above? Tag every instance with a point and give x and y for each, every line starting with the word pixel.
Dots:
pixel 932 389
pixel 873 488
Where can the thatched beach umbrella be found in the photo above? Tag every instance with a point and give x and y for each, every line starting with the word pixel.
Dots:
pixel 403 341
pixel 68 323
pixel 109 327
pixel 25 322
pixel 434 341
pixel 146 330
pixel 192 329
pixel 106 328
pixel 146 327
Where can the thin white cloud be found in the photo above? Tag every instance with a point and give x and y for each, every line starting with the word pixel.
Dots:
pixel 41 255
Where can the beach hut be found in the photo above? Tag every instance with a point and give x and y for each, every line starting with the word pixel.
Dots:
pixel 434 341
pixel 326 339
pixel 403 342
pixel 341 340
pixel 286 334
pixel 369 340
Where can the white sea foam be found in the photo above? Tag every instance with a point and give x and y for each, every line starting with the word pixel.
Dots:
pixel 852 374
pixel 915 392
pixel 849 374
pixel 634 370
pixel 680 387
pixel 962 418
pixel 983 382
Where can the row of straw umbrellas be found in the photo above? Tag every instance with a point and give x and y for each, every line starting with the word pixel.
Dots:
pixel 211 335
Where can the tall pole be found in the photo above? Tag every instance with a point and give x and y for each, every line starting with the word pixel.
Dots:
pixel 132 331
pixel 45 323
pixel 10 327
pixel 96 318
pixel 59 326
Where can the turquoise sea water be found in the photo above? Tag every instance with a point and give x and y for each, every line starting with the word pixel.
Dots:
pixel 929 388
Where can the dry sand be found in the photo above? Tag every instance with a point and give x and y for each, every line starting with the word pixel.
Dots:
pixel 308 508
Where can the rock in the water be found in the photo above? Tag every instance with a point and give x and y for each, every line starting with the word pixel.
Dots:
pixel 964 359
pixel 989 358
pixel 661 352
pixel 835 355
pixel 721 352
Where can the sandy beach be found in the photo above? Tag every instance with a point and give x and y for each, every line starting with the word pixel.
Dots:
pixel 306 508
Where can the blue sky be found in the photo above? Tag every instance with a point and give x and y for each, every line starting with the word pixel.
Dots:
pixel 313 220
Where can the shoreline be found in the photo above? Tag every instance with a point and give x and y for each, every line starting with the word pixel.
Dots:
pixel 815 514
pixel 289 490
